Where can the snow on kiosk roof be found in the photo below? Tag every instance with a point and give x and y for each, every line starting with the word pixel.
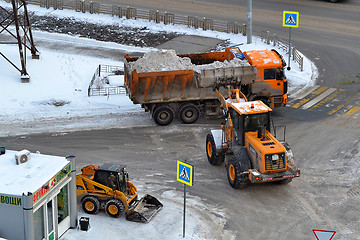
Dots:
pixel 31 175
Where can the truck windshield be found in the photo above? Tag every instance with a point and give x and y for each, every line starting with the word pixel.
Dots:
pixel 252 122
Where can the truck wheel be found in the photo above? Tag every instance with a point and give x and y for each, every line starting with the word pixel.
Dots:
pixel 234 170
pixel 213 157
pixel 189 113
pixel 163 115
pixel 114 208
pixel 90 205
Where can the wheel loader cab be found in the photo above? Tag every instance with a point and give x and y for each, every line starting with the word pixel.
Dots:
pixel 243 123
pixel 113 176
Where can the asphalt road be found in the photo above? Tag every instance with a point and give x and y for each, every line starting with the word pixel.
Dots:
pixel 326 196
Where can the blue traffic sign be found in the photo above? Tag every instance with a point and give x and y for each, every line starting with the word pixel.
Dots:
pixel 185 173
pixel 290 19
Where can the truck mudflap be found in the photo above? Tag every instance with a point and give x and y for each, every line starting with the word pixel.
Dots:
pixel 144 209
pixel 257 177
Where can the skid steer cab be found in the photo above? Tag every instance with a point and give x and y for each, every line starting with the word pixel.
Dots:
pixel 108 187
pixel 244 142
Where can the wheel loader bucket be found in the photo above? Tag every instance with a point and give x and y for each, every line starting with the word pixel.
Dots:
pixel 144 210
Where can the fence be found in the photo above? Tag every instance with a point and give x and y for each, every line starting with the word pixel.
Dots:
pixel 150 15
pixel 166 18
pixel 98 80
pixel 349 79
pixel 276 41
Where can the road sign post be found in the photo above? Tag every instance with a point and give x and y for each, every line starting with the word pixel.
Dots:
pixel 290 20
pixel 185 175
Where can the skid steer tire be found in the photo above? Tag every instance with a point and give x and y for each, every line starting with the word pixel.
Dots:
pixel 114 208
pixel 90 205
pixel 163 115
pixel 234 169
pixel 188 113
pixel 214 158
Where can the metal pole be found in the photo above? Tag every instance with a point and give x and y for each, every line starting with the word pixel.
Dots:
pixel 289 68
pixel 249 22
pixel 184 210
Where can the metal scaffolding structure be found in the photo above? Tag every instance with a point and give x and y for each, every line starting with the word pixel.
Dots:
pixel 20 34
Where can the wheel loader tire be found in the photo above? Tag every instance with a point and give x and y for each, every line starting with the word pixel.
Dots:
pixel 234 169
pixel 114 208
pixel 163 115
pixel 90 205
pixel 188 113
pixel 213 157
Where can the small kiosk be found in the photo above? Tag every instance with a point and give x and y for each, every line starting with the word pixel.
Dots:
pixel 37 195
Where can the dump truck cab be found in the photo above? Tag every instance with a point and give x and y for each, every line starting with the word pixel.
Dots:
pixel 251 153
pixel 270 85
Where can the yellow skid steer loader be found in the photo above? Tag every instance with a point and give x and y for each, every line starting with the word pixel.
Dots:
pixel 108 187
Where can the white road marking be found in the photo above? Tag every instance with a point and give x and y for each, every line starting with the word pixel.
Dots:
pixel 318 98
pixel 303 95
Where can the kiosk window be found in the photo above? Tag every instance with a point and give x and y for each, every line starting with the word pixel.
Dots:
pixel 63 203
pixel 39 223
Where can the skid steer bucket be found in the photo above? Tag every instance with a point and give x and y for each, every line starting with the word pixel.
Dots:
pixel 144 209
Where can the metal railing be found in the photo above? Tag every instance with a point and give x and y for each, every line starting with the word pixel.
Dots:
pixel 349 79
pixel 150 15
pixel 280 43
pixel 102 71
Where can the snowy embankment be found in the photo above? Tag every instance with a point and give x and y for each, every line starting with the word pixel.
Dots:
pixel 56 100
pixel 56 97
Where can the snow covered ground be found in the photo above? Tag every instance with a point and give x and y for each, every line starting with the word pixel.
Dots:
pixel 61 78
pixel 55 100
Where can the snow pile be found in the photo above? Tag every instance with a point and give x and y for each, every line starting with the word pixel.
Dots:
pixel 165 60
pixel 236 62
pixel 203 221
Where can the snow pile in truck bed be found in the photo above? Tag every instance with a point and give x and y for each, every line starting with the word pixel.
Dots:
pixel 165 60
pixel 236 62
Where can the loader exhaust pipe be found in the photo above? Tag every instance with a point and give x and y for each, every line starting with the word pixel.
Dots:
pixel 261 132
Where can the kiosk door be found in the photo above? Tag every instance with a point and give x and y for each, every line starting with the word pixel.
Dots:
pixel 50 220
pixel 63 210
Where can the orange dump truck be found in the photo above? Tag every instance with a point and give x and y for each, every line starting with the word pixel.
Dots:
pixel 186 93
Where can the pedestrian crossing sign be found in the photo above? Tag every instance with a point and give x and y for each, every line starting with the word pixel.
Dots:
pixel 290 19
pixel 185 173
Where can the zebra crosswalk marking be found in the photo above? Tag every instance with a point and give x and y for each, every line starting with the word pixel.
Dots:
pixel 318 98
pixel 353 110
pixel 336 109
pixel 340 106
pixel 313 94
pixel 303 95
pixel 327 99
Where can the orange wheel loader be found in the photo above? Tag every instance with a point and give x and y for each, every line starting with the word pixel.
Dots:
pixel 244 142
